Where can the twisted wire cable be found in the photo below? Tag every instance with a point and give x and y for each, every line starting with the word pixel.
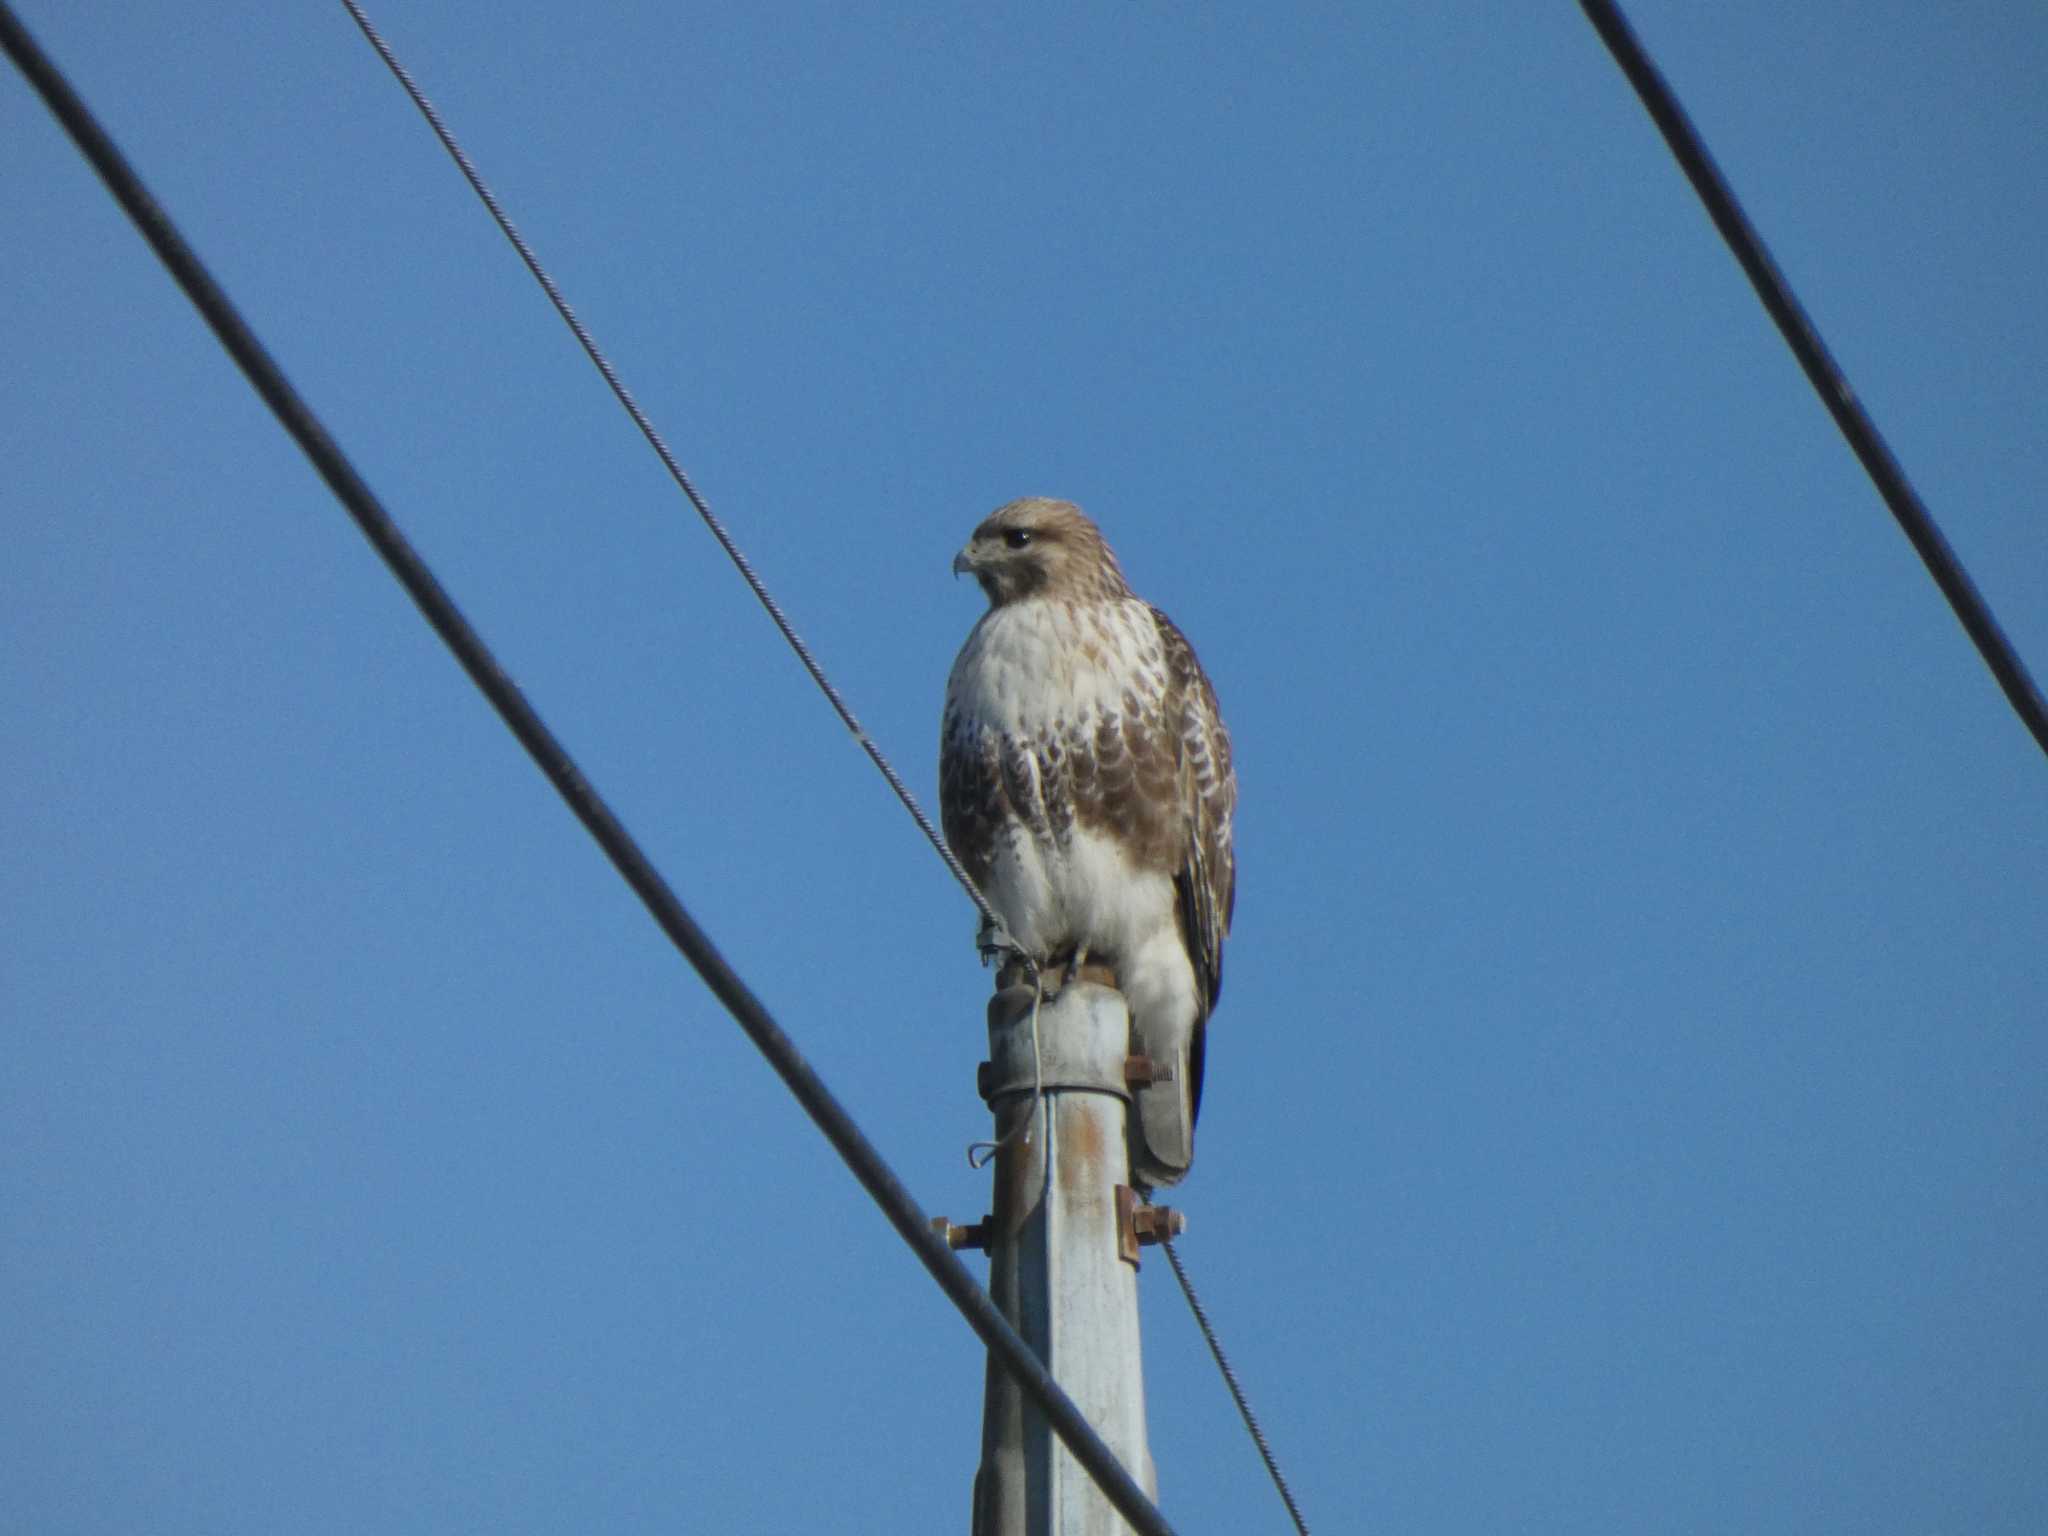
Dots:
pixel 999 936
pixel 1244 1407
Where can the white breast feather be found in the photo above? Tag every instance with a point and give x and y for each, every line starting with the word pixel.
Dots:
pixel 1020 670
pixel 1023 673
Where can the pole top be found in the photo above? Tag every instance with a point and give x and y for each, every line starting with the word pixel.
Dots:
pixel 1082 1042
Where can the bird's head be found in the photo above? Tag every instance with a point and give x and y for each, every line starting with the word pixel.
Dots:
pixel 1038 547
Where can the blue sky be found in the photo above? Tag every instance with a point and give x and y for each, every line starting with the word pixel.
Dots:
pixel 1626 1111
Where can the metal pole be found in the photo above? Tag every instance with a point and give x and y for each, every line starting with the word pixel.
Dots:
pixel 1062 1258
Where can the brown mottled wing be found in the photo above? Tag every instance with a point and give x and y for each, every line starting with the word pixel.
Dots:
pixel 1206 874
pixel 972 805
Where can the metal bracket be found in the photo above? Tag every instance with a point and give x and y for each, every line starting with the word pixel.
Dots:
pixel 1139 1224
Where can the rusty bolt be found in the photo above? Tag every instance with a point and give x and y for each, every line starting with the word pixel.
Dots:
pixel 1143 1071
pixel 957 1237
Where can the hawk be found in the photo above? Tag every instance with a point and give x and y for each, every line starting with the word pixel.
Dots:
pixel 1085 784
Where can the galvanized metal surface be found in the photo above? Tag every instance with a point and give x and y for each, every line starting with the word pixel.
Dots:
pixel 1057 1271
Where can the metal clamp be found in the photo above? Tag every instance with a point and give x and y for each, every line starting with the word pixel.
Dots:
pixel 1090 1059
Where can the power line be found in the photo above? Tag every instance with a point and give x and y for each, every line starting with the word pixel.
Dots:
pixel 554 761
pixel 1244 1407
pixel 999 936
pixel 1821 368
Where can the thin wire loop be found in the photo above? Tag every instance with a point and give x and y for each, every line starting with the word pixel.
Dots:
pixel 463 163
pixel 979 1153
pixel 1821 369
pixel 439 610
pixel 1244 1408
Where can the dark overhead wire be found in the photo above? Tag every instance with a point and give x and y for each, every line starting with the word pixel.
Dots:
pixel 440 611
pixel 677 474
pixel 1820 366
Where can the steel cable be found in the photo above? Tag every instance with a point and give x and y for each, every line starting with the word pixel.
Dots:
pixel 1244 1407
pixel 676 472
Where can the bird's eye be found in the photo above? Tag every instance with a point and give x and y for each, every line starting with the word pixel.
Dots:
pixel 1017 538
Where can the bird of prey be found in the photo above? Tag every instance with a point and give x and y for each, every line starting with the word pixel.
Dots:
pixel 1086 785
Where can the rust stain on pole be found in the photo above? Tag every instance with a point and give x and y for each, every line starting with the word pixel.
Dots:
pixel 1058 1082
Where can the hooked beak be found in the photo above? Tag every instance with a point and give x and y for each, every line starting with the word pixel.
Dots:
pixel 963 563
